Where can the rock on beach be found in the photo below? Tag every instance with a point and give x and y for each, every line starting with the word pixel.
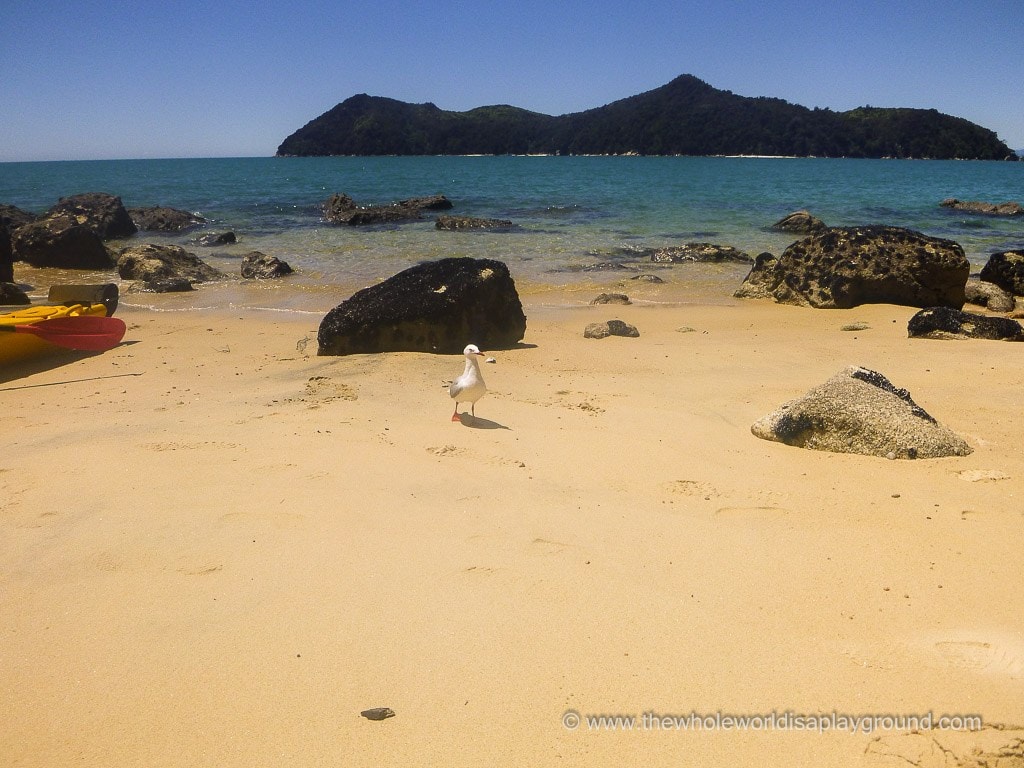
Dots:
pixel 844 267
pixel 860 411
pixel 435 306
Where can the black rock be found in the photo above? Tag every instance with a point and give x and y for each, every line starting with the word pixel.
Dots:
pixel 151 263
pixel 847 266
pixel 470 222
pixel 987 209
pixel 260 266
pixel 160 218
pixel 167 285
pixel 698 252
pixel 342 209
pixel 800 221
pixel 947 323
pixel 611 298
pixel 437 306
pixel 1006 270
pixel 60 241
pixel 12 294
pixel 610 328
pixel 104 214
pixel 213 239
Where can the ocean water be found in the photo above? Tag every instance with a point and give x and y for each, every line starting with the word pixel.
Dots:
pixel 569 212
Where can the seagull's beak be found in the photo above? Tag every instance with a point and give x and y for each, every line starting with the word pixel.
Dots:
pixel 480 354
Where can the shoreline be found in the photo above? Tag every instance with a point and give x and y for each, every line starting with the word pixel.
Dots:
pixel 220 548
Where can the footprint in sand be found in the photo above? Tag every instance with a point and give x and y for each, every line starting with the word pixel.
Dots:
pixel 752 513
pixel 549 547
pixel 692 488
pixel 988 655
pixel 446 450
pixel 324 389
pixel 982 475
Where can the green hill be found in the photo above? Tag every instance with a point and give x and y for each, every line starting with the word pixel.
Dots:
pixel 685 117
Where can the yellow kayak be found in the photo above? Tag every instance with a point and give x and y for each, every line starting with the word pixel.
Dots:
pixel 15 347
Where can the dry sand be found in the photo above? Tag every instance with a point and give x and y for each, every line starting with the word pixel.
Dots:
pixel 217 549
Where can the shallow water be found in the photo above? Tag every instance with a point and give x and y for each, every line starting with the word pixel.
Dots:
pixel 569 212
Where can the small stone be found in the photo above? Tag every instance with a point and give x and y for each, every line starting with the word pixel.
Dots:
pixel 611 298
pixel 610 328
pixel 378 713
pixel 855 327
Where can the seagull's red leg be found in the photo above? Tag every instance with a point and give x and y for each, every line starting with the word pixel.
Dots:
pixel 455 415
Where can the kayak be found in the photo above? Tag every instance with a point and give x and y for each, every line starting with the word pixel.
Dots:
pixel 15 347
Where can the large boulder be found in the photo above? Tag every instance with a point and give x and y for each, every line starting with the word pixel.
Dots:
pixel 11 217
pixel 437 306
pixel 59 240
pixel 847 266
pixel 160 218
pixel 1006 269
pixel 988 209
pixel 260 266
pixel 152 264
pixel 989 295
pixel 947 323
pixel 11 294
pixel 103 213
pixel 802 222
pixel 6 255
pixel 860 411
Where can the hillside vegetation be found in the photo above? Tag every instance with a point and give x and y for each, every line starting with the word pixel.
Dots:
pixel 685 117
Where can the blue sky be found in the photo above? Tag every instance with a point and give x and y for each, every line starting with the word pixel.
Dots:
pixel 116 79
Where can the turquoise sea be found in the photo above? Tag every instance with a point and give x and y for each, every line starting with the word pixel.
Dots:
pixel 570 212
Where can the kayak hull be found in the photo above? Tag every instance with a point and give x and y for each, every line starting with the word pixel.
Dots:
pixel 16 347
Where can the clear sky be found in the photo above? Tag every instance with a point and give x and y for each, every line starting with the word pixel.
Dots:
pixel 104 79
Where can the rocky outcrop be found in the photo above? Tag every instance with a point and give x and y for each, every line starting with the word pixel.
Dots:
pixel 437 306
pixel 1006 270
pixel 212 239
pixel 847 266
pixel 987 209
pixel 6 255
pixel 260 266
pixel 471 222
pixel 947 323
pixel 154 265
pixel 103 213
pixel 801 222
pixel 342 209
pixel 11 294
pixel 59 240
pixel 989 295
pixel 698 252
pixel 610 328
pixel 13 217
pixel 611 298
pixel 860 411
pixel 159 218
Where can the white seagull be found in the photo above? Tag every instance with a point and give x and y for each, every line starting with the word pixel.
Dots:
pixel 469 387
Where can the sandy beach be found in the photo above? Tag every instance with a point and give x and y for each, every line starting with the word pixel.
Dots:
pixel 218 548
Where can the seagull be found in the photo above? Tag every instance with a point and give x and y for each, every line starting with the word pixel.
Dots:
pixel 469 387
